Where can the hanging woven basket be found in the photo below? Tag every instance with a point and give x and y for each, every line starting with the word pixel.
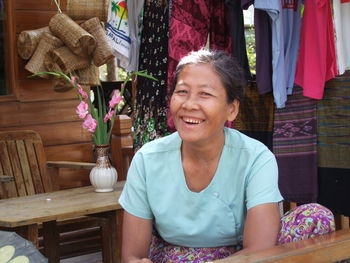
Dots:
pixel 61 85
pixel 74 36
pixel 86 9
pixel 103 51
pixel 28 41
pixel 66 60
pixel 89 76
pixel 47 43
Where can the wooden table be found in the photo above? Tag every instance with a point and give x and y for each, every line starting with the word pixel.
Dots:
pixel 23 214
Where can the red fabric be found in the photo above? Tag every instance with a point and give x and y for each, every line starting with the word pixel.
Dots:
pixel 345 1
pixel 317 59
pixel 191 22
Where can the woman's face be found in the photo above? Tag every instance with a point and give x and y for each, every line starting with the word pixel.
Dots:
pixel 199 104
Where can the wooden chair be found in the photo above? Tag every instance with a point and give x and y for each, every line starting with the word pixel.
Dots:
pixel 24 171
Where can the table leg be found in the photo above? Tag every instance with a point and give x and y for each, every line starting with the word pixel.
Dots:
pixel 51 241
pixel 111 236
pixel 29 232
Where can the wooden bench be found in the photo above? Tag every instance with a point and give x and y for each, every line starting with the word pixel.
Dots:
pixel 331 247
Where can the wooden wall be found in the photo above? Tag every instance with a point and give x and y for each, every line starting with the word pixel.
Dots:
pixel 33 104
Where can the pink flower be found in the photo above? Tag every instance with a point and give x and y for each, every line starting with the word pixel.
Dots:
pixel 109 115
pixel 73 80
pixel 116 98
pixel 82 109
pixel 90 123
pixel 82 92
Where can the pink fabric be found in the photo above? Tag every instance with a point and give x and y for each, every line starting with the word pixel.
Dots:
pixel 190 23
pixel 317 59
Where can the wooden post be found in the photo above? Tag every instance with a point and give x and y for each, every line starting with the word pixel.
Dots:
pixel 122 145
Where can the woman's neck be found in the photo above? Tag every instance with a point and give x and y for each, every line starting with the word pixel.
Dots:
pixel 204 152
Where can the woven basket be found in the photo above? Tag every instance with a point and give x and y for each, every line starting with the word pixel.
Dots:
pixel 89 76
pixel 103 51
pixel 86 9
pixel 28 41
pixel 66 60
pixel 76 38
pixel 61 85
pixel 47 43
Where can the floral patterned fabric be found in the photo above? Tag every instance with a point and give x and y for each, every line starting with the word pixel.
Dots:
pixel 150 120
pixel 302 222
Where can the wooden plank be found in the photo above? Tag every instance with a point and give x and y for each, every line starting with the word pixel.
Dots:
pixel 23 157
pixel 38 113
pixel 71 178
pixel 81 152
pixel 40 90
pixel 64 132
pixel 28 20
pixel 16 168
pixel 11 50
pixel 39 5
pixel 327 248
pixel 8 189
pixel 41 157
pixel 34 167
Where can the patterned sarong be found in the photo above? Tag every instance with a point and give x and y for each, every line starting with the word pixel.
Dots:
pixel 302 222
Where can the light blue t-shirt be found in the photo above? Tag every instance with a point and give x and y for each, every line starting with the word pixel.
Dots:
pixel 156 189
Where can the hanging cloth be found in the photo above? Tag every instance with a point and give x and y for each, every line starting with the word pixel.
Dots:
pixel 316 60
pixel 279 85
pixel 150 120
pixel 341 11
pixel 190 23
pixel 118 31
pixel 239 49
pixel 294 144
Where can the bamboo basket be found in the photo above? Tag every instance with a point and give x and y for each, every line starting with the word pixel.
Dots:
pixel 63 58
pixel 75 37
pixel 89 76
pixel 61 84
pixel 28 41
pixel 103 51
pixel 86 9
pixel 47 43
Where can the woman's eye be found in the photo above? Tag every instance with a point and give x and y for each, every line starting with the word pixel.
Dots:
pixel 205 94
pixel 181 91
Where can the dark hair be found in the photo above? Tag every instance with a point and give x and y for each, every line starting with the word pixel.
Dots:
pixel 226 66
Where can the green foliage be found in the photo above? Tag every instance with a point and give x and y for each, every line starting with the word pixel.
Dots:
pixel 250 44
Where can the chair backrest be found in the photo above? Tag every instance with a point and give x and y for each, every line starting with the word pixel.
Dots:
pixel 22 164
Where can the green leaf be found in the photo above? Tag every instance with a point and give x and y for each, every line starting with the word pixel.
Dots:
pixel 145 75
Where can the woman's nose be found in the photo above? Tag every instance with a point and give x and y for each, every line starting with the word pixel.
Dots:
pixel 190 102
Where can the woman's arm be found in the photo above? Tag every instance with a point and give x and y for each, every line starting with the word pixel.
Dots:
pixel 261 228
pixel 137 235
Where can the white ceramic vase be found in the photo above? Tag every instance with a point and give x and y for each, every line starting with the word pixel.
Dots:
pixel 103 176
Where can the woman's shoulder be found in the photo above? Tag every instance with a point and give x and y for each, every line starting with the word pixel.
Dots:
pixel 164 144
pixel 238 140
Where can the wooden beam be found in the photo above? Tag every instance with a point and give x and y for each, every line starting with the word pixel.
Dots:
pixel 327 248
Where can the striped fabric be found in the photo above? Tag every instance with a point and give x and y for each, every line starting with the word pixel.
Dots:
pixel 294 144
pixel 255 117
pixel 333 124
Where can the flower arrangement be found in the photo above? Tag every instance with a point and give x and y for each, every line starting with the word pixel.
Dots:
pixel 98 120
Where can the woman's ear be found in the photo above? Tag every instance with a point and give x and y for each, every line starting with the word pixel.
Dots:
pixel 233 110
